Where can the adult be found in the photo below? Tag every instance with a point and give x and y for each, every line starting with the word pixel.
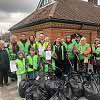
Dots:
pixel 59 50
pixel 13 48
pixel 12 51
pixel 41 44
pixel 77 43
pixel 96 53
pixel 4 65
pixel 23 45
pixel 32 41
pixel 69 45
pixel 84 54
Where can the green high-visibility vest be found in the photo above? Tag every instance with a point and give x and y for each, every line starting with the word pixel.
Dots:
pixel 69 49
pixel 11 54
pixel 32 61
pixel 96 50
pixel 46 66
pixel 83 48
pixel 44 45
pixel 77 44
pixel 22 48
pixel 62 49
pixel 20 66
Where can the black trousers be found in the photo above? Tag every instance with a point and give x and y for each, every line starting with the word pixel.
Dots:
pixel 59 70
pixel 75 64
pixel 3 77
pixel 95 68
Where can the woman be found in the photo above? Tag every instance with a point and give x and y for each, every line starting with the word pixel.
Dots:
pixel 96 54
pixel 4 65
pixel 32 42
pixel 84 54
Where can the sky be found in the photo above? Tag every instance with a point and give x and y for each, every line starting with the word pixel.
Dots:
pixel 13 11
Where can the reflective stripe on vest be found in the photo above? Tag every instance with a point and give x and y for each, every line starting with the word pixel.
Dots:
pixel 21 66
pixel 62 49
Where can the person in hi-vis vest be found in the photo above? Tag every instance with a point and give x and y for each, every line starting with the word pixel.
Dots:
pixel 41 45
pixel 23 45
pixel 20 65
pixel 32 62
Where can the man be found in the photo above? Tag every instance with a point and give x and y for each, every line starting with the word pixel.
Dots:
pixel 77 44
pixel 23 45
pixel 60 61
pixel 4 65
pixel 41 45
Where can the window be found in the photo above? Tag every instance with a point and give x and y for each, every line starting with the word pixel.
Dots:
pixel 43 3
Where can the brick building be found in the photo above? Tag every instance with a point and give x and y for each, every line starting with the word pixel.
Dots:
pixel 62 17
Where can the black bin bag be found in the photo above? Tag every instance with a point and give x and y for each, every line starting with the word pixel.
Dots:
pixel 94 97
pixel 91 88
pixel 40 94
pixel 29 93
pixel 24 84
pixel 76 85
pixel 58 96
pixel 52 86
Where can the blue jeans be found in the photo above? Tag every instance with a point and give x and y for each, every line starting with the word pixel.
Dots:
pixel 35 74
pixel 32 75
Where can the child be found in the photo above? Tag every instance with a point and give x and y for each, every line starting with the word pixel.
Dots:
pixel 21 70
pixel 48 61
pixel 32 64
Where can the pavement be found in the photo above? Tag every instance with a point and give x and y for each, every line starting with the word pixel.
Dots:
pixel 10 92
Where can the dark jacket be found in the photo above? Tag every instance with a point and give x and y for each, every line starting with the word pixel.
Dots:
pixel 4 60
pixel 59 51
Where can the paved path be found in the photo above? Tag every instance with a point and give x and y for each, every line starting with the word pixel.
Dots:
pixel 9 92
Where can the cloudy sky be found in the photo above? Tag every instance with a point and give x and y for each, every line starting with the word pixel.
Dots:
pixel 12 11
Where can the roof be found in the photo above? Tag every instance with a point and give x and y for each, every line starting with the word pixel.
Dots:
pixel 65 11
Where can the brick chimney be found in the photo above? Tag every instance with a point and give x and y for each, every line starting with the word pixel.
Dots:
pixel 95 2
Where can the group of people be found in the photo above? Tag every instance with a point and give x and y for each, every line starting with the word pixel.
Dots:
pixel 33 57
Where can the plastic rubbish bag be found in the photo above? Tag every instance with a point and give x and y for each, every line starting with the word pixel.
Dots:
pixel 91 88
pixel 58 96
pixel 24 84
pixel 76 85
pixel 52 86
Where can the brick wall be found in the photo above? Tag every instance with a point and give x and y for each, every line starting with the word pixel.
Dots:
pixel 53 33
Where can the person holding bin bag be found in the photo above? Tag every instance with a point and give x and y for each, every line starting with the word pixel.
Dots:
pixel 32 63
pixel 84 54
